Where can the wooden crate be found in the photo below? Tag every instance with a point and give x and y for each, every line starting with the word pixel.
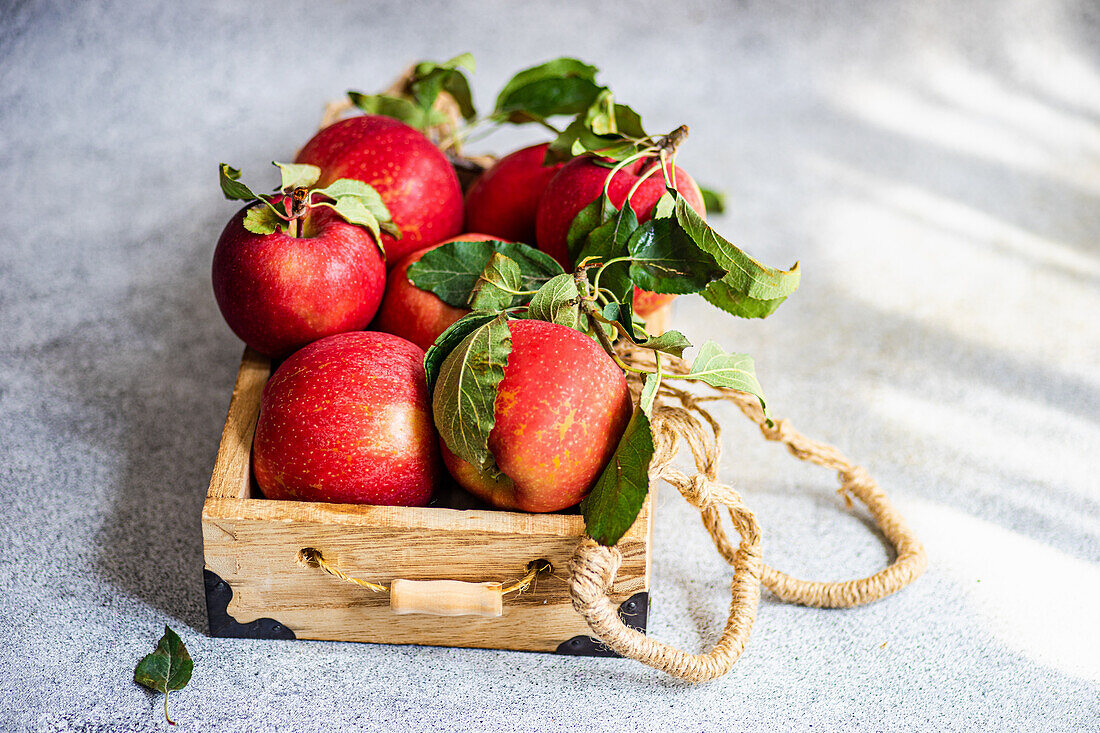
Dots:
pixel 256 588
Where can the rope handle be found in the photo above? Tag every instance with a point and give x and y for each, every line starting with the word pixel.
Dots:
pixel 593 566
pixel 436 597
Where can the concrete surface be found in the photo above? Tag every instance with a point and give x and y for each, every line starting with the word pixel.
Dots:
pixel 935 166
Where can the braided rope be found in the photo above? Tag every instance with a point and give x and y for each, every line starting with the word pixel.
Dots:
pixel 594 566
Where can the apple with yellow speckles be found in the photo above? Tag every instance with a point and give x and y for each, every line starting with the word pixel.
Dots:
pixel 415 180
pixel 279 292
pixel 560 410
pixel 347 420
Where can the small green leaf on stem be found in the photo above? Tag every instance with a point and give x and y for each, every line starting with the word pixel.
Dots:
pixel 715 201
pixel 262 219
pixel 720 369
pixel 497 285
pixel 430 78
pixel 451 271
pixel 167 669
pixel 617 497
pixel 556 302
pixel 649 390
pixel 297 175
pixel 234 190
pixel 669 342
pixel 464 399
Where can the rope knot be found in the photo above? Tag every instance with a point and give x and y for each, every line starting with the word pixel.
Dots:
pixel 593 567
pixel 698 491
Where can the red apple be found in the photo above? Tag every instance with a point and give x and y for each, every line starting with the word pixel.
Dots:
pixel 416 314
pixel 347 419
pixel 580 182
pixel 503 201
pixel 416 181
pixel 279 293
pixel 560 410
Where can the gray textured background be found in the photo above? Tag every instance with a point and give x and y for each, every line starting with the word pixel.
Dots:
pixel 935 166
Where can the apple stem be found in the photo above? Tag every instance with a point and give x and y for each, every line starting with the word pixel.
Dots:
pixel 642 179
pixel 292 227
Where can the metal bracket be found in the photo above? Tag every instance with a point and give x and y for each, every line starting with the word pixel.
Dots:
pixel 634 612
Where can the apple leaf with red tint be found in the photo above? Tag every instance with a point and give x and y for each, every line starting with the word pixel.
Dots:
pixel 556 302
pixel 464 398
pixel 446 342
pixel 498 284
pixel 167 669
pixel 451 271
pixel 619 493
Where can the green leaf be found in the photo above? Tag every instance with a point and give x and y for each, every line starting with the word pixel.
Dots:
pixel 629 122
pixel 720 369
pixel 609 241
pixel 262 219
pixel 587 219
pixel 354 211
pixel 721 295
pixel 446 342
pixel 451 271
pixel 297 175
pixel 464 399
pixel 617 498
pixel 577 139
pixel 563 86
pixel 623 314
pixel 669 342
pixel 556 302
pixel 667 260
pixel 358 203
pixel 498 284
pixel 398 108
pixel 167 669
pixel 649 391
pixel 749 289
pixel 715 201
pixel 233 189
pixel 430 78
pixel 600 115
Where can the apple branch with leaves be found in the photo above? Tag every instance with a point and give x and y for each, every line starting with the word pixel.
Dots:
pixel 354 201
pixel 674 252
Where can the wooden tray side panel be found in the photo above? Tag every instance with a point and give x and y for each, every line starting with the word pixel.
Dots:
pixel 253 546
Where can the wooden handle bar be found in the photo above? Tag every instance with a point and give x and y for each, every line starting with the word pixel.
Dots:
pixel 446 598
